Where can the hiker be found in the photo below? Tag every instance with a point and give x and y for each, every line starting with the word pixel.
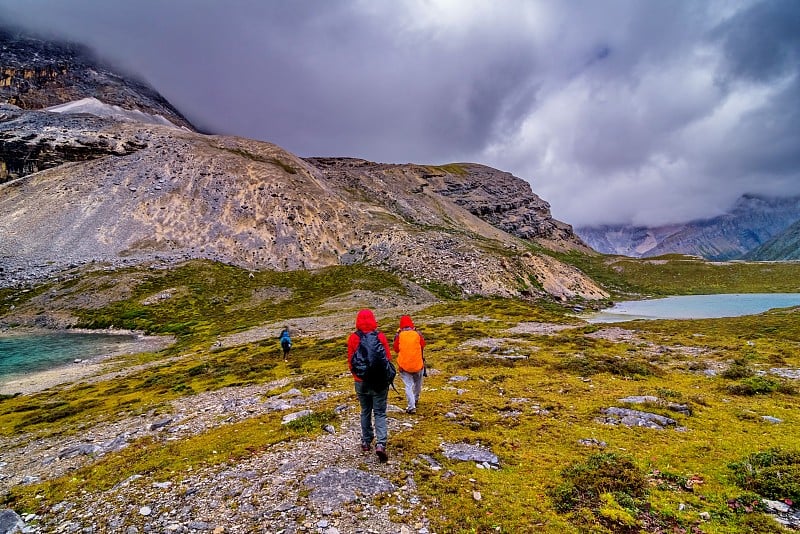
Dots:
pixel 408 344
pixel 371 397
pixel 286 343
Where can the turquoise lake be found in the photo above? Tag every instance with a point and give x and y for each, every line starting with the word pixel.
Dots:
pixel 22 353
pixel 695 307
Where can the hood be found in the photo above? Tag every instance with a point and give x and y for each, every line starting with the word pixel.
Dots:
pixel 365 321
pixel 406 322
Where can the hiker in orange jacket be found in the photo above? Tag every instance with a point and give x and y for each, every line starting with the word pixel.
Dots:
pixel 371 401
pixel 408 344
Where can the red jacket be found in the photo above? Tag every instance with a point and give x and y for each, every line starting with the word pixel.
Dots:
pixel 365 321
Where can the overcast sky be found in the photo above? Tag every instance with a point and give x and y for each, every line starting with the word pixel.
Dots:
pixel 640 111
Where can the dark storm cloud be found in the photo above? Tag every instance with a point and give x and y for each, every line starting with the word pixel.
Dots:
pixel 616 111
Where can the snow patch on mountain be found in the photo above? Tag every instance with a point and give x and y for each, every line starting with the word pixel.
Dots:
pixel 95 107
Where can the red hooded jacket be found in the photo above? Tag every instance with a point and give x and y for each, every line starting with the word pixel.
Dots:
pixel 365 321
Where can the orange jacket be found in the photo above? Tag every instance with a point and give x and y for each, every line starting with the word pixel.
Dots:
pixel 365 321
pixel 408 344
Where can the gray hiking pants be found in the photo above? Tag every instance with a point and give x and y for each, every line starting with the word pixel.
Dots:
pixel 372 401
pixel 413 385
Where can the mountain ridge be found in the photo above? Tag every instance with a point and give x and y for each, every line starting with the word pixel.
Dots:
pixel 752 221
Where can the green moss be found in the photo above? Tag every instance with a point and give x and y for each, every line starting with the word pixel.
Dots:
pixel 451 168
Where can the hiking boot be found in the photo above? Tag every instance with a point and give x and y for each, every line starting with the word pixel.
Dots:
pixel 411 411
pixel 380 451
pixel 364 447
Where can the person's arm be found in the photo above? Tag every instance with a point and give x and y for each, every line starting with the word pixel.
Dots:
pixel 385 342
pixel 352 345
pixel 396 343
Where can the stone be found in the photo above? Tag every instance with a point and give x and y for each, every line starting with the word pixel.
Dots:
pixel 145 510
pixel 337 486
pixel 628 417
pixel 459 378
pixel 77 450
pixel 160 423
pixel 201 525
pixel 592 442
pixel 777 506
pixel 289 417
pixel 469 453
pixel 770 419
pixel 10 522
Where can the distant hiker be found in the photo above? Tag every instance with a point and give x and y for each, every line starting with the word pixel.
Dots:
pixel 286 342
pixel 368 358
pixel 408 344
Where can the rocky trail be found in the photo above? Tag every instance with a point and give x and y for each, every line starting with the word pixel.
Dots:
pixel 325 484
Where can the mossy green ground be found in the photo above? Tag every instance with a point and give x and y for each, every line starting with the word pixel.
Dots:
pixel 531 412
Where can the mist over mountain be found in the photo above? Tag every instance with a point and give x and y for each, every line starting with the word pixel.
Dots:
pixel 753 221
pixel 37 73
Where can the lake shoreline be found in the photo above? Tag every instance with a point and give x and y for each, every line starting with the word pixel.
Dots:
pixel 691 307
pixel 70 372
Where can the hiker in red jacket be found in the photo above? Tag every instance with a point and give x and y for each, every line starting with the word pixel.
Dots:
pixel 371 400
pixel 408 344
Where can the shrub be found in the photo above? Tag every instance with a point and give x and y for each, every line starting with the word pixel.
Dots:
pixel 755 385
pixel 584 365
pixel 737 370
pixel 604 473
pixel 773 474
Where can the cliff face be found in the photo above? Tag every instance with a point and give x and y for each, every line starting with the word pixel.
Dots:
pixel 35 74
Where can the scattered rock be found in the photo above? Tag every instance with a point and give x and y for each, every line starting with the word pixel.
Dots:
pixel 784 514
pixel 592 442
pixel 793 374
pixel 649 399
pixel 469 453
pixel 337 486
pixel 81 448
pixel 10 522
pixel 289 417
pixel 770 419
pixel 628 417
pixel 160 423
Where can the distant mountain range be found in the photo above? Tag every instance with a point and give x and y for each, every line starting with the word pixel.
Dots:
pixel 756 228
pixel 784 246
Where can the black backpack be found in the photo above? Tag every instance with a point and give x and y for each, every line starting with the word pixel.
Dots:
pixel 370 362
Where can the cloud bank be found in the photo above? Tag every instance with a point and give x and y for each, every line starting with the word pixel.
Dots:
pixel 616 111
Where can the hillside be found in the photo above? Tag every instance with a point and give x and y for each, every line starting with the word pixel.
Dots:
pixel 94 188
pixel 752 221
pixel 784 246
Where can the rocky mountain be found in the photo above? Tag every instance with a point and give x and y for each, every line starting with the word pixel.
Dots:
pixel 38 73
pixel 99 168
pixel 751 222
pixel 102 189
pixel 784 246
